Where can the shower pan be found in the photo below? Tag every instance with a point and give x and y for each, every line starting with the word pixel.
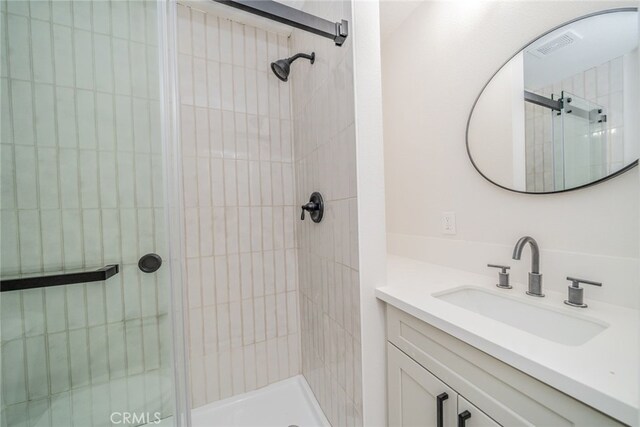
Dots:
pixel 152 257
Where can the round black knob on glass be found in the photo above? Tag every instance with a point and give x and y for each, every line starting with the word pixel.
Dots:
pixel 315 207
pixel 150 263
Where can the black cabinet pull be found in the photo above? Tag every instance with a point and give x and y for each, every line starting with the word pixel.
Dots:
pixel 439 403
pixel 463 417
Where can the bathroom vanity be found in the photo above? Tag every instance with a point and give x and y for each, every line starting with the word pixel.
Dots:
pixel 554 137
pixel 452 361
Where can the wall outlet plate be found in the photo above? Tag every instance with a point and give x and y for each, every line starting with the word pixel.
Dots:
pixel 448 223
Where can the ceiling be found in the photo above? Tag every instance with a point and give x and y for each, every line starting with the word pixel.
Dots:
pixel 599 39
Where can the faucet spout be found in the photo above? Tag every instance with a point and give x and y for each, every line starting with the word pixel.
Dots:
pixel 535 252
pixel 535 278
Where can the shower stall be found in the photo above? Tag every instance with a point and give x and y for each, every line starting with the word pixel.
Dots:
pixel 153 260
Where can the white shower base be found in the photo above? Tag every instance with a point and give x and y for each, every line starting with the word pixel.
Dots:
pixel 286 403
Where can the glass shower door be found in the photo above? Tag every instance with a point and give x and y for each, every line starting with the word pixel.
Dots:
pixel 83 188
pixel 580 141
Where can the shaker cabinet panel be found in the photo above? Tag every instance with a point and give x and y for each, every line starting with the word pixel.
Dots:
pixel 413 394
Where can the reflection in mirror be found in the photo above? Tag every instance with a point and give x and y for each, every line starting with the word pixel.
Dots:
pixel 562 113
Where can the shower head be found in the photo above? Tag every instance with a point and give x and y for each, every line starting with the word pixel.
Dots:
pixel 281 67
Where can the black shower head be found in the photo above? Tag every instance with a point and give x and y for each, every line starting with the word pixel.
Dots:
pixel 281 67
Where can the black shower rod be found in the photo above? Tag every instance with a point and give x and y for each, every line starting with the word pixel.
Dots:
pixel 336 31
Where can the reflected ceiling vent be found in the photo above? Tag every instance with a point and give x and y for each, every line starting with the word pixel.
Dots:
pixel 563 40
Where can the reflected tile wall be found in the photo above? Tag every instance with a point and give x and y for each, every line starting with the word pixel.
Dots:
pixel 81 187
pixel 239 207
pixel 325 158
pixel 601 85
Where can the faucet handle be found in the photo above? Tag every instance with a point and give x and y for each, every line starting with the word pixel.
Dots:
pixel 575 283
pixel 503 267
pixel 576 293
pixel 503 276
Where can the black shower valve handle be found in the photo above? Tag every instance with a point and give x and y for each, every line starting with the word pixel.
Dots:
pixel 310 207
pixel 315 207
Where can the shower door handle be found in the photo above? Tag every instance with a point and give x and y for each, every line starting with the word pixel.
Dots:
pixel 70 278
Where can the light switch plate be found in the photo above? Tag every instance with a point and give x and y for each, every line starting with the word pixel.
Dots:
pixel 448 223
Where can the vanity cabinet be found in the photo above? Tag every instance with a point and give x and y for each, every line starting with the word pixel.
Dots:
pixel 418 398
pixel 425 362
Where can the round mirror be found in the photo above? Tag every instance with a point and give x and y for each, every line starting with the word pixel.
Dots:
pixel 564 112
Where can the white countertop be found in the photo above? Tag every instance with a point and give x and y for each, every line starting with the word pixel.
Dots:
pixel 603 372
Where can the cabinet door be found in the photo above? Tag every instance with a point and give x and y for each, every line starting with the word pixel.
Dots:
pixel 413 394
pixel 470 416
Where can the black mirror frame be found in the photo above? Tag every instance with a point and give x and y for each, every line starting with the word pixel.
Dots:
pixel 599 181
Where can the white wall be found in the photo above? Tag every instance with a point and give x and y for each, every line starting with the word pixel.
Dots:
pixel 371 203
pixel 434 65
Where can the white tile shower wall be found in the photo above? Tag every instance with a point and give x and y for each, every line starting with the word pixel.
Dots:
pixel 82 187
pixel 325 156
pixel 539 148
pixel 239 203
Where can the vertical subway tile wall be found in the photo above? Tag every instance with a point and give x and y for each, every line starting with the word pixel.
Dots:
pixel 325 157
pixel 81 186
pixel 603 88
pixel 239 207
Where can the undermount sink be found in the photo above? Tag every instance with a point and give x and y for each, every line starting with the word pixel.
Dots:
pixel 558 326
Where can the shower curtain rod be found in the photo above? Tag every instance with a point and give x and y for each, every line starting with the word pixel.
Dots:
pixel 336 31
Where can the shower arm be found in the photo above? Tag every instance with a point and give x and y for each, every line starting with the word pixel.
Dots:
pixel 336 31
pixel 301 55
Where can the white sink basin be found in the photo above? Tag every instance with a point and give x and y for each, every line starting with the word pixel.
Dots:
pixel 545 322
